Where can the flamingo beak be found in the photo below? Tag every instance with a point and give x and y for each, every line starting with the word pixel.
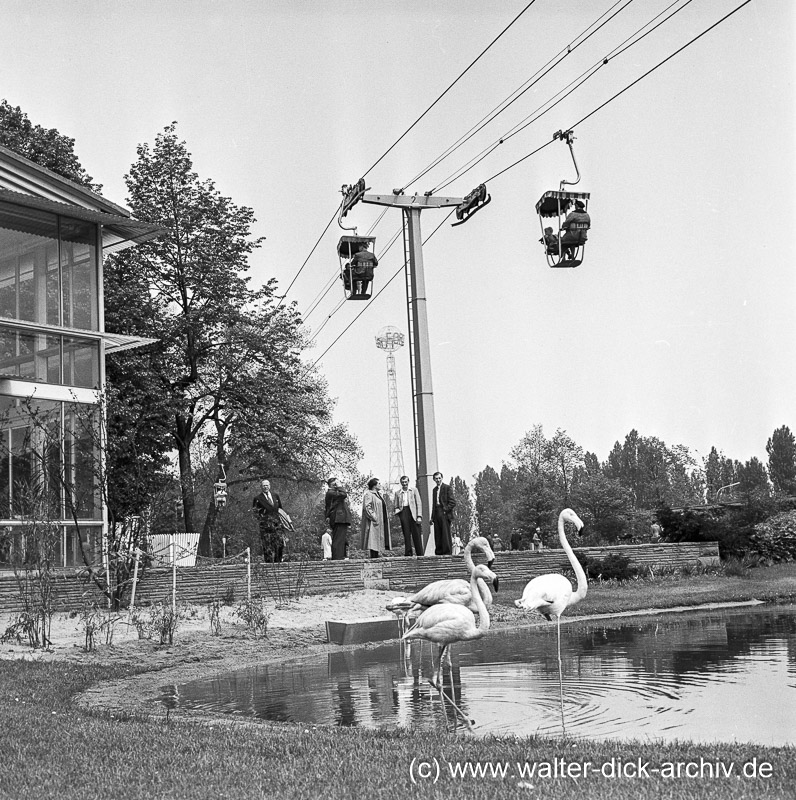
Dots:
pixel 495 583
pixel 490 563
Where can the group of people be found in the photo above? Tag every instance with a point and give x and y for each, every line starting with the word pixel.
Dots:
pixel 575 233
pixel 375 536
pixel 407 506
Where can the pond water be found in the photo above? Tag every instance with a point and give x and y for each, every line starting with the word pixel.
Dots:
pixel 727 676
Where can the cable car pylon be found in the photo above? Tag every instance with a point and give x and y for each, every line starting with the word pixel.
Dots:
pixel 426 457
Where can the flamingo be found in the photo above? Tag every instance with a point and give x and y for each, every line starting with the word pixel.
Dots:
pixel 454 590
pixel 551 594
pixel 445 623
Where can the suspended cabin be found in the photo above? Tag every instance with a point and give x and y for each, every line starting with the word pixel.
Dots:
pixel 565 241
pixel 357 262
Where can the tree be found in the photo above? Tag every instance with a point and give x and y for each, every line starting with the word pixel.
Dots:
pixel 462 524
pixel 44 146
pixel 228 364
pixel 195 277
pixel 654 473
pixel 781 449
pixel 753 480
pixel 603 504
pixel 488 502
pixel 564 456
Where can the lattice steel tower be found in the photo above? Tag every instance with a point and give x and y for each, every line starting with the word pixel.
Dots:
pixel 390 339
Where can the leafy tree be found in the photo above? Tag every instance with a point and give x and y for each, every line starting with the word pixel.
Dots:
pixel 195 276
pixel 603 504
pixel 653 473
pixel 488 502
pixel 463 517
pixel 781 449
pixel 532 452
pixel 753 480
pixel 44 146
pixel 564 456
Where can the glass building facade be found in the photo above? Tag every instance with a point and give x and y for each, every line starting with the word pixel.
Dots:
pixel 51 352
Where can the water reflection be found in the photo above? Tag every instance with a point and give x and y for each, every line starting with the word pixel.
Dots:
pixel 719 676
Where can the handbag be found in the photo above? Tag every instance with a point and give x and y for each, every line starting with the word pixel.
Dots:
pixel 284 518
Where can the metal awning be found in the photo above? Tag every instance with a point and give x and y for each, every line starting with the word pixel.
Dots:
pixel 118 231
pixel 118 342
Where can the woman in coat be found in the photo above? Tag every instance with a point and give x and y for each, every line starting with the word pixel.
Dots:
pixel 375 525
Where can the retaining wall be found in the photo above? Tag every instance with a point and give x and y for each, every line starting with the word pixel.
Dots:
pixel 202 583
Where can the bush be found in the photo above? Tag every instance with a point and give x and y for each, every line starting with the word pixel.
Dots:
pixel 613 567
pixel 775 539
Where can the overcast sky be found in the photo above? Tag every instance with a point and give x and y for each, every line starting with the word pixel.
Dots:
pixel 681 322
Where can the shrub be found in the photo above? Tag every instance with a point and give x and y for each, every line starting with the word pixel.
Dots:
pixel 775 539
pixel 612 567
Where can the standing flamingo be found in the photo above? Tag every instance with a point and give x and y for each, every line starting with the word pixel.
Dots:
pixel 446 623
pixel 454 590
pixel 552 594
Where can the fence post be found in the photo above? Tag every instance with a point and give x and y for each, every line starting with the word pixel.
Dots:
pixel 249 575
pixel 173 547
pixel 135 583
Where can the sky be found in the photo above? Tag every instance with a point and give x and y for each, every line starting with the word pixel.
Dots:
pixel 681 321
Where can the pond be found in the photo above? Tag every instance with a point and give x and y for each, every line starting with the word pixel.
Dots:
pixel 727 675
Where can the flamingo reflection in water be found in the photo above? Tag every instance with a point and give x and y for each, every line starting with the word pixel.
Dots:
pixel 447 623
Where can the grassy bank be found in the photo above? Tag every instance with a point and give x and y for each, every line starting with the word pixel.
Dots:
pixel 52 749
pixel 775 584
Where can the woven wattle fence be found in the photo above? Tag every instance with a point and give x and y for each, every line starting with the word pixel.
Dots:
pixel 204 582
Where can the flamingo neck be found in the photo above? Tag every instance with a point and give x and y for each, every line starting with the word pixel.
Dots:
pixel 483 614
pixel 468 556
pixel 583 583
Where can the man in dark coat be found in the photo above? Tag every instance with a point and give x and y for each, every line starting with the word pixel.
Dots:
pixel 442 505
pixel 338 517
pixel 266 507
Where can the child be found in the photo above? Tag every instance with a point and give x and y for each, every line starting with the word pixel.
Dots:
pixel 326 543
pixel 550 241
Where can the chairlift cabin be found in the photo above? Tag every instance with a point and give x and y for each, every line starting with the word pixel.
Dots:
pixel 357 262
pixel 565 244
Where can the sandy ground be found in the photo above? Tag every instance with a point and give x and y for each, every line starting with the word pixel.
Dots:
pixel 295 630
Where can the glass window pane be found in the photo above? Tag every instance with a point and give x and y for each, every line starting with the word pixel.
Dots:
pixel 79 268
pixel 28 242
pixel 81 363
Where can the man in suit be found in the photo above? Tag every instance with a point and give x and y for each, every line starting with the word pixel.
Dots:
pixel 408 507
pixel 338 517
pixel 442 505
pixel 266 507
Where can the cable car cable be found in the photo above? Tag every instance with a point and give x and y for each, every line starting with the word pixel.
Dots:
pixel 522 89
pixel 575 85
pixel 461 75
pixel 314 248
pixel 668 58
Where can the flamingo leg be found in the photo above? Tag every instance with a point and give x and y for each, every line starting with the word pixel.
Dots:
pixel 437 684
pixel 560 677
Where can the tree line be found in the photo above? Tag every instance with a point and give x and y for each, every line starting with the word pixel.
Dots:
pixel 641 480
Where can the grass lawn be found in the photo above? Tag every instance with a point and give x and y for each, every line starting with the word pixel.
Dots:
pixel 49 748
pixel 775 584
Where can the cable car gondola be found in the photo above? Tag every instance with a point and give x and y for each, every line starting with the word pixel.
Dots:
pixel 357 262
pixel 566 248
